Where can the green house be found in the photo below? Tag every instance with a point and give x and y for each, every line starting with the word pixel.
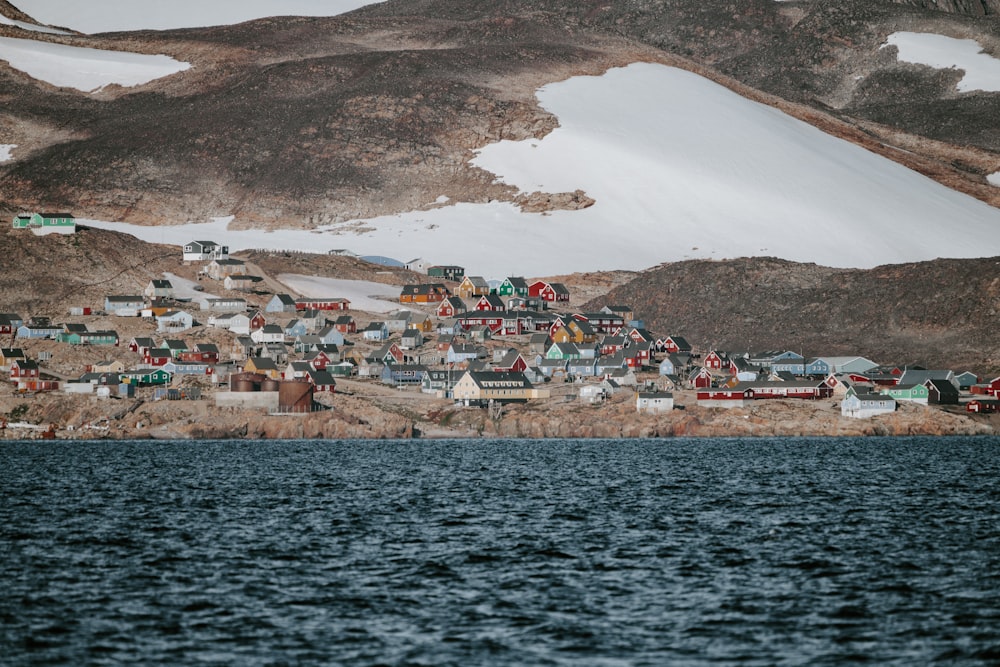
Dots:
pixel 513 287
pixel 88 337
pixel 146 378
pixel 915 393
pixel 46 223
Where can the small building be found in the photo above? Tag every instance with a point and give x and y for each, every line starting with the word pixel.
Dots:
pixel 159 289
pixel 472 287
pixel 124 305
pixel 863 404
pixel 220 269
pixel 280 303
pixel 452 273
pixel 654 402
pixel 42 224
pixel 204 251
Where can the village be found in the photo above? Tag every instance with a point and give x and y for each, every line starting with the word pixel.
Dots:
pixel 234 341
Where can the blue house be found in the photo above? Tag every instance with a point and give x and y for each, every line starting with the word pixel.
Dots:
pixel 403 374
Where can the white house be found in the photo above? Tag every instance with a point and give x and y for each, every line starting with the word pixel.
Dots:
pixel 204 251
pixel 865 405
pixel 654 402
pixel 173 321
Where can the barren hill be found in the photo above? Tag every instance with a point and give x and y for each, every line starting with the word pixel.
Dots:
pixel 939 314
pixel 301 121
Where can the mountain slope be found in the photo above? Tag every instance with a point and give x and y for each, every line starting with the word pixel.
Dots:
pixel 940 314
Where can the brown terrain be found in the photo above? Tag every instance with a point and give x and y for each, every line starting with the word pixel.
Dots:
pixel 367 409
pixel 297 122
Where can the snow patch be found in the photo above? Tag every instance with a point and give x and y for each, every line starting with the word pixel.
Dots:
pixel 84 68
pixel 5 152
pixel 363 294
pixel 982 71
pixel 122 15
pixel 188 289
pixel 31 26
pixel 680 168
pixel 994 179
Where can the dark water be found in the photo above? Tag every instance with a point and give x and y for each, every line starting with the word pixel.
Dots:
pixel 687 552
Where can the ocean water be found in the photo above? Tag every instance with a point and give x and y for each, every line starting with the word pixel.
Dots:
pixel 500 552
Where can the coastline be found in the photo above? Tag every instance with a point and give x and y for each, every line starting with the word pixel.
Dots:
pixel 407 415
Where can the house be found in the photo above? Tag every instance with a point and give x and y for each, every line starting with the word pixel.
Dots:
pixel 204 251
pixel 563 351
pixel 42 224
pixel 146 377
pixel 242 348
pixel 521 303
pixel 440 381
pixel 24 368
pixel 376 331
pixel 716 360
pixel 863 404
pixel 9 354
pixel 124 305
pixel 581 368
pixel 539 343
pixel 552 368
pixel 403 374
pixel 966 380
pixel 489 303
pixel 90 338
pixel 511 361
pixel 157 357
pixel 513 286
pixel 219 269
pixel 424 293
pixel 671 365
pixel 480 388
pixel 323 357
pixel 472 287
pixel 912 393
pixel 322 380
pixel 140 344
pixel 205 353
pixel 399 320
pixel 159 289
pixel 593 393
pixel 174 346
pixel 280 303
pixel 451 307
pixel 224 305
pixel 241 282
pixel 654 402
pixel 9 322
pixel 269 333
pixel 337 303
pixel 452 273
pixel 941 392
pixel 991 388
pixel 174 321
pixel 330 335
pixel 552 292
pixel 345 324
pixel 459 353
pixel 418 265
pixel 295 328
pixel 700 378
pixel 623 377
pixel 605 323
pixel 390 353
pixel 837 365
pixel 983 406
pixel 911 376
pixel 623 312
pixel 342 369
pixel 675 345
pixel 39 330
pixel 262 365
pixel 411 339
pixel 421 322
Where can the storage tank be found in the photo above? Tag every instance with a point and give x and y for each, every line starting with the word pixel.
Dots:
pixel 245 382
pixel 295 396
pixel 269 384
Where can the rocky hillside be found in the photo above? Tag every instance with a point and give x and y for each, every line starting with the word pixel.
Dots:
pixel 303 121
pixel 940 314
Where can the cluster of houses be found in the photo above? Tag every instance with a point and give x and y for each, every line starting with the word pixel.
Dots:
pixel 461 338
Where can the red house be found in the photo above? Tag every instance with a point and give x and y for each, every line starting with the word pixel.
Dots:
pixel 716 360
pixel 991 388
pixel 157 357
pixel 451 307
pixel 489 303
pixel 548 291
pixel 23 368
pixel 345 324
pixel 983 406
pixel 322 304
pixel 675 345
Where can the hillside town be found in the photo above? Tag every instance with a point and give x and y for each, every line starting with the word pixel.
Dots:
pixel 455 338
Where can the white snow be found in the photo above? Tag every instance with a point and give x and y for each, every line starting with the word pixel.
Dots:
pixel 994 179
pixel 5 152
pixel 83 68
pixel 982 71
pixel 680 167
pixel 188 289
pixel 364 295
pixel 31 26
pixel 121 15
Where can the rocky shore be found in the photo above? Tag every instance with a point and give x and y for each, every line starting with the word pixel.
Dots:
pixel 407 414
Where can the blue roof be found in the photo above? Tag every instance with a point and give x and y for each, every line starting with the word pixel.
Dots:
pixel 384 261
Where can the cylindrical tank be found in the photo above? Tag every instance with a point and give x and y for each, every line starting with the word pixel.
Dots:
pixel 295 396
pixel 245 382
pixel 269 384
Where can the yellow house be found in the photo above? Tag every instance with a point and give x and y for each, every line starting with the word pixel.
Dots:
pixel 424 324
pixel 478 387
pixel 263 365
pixel 472 286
